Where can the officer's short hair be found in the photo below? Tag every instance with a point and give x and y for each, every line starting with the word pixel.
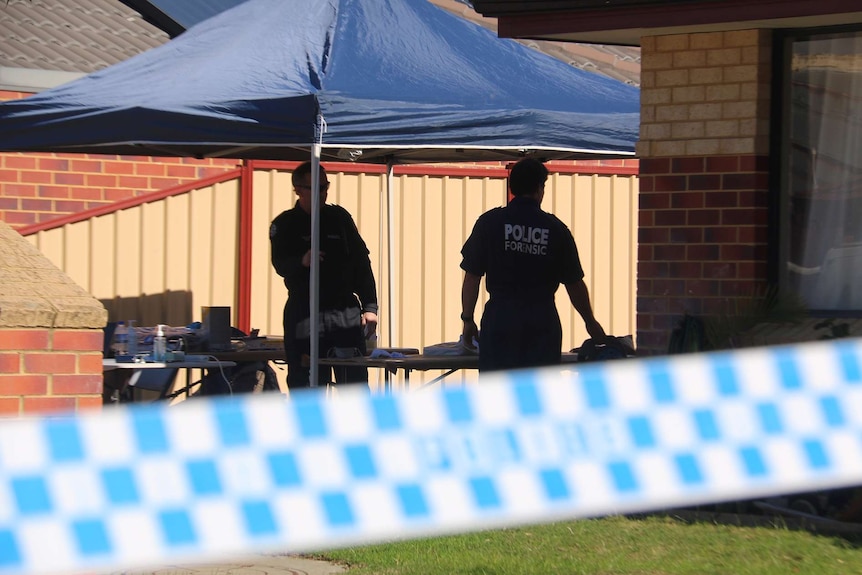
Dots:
pixel 527 176
pixel 302 171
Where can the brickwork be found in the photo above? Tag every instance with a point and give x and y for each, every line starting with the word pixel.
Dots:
pixel 50 335
pixel 37 187
pixel 703 214
pixel 49 370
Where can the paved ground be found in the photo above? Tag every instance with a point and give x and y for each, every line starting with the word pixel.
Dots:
pixel 253 565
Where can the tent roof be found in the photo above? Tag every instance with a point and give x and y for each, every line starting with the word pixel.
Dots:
pixel 394 80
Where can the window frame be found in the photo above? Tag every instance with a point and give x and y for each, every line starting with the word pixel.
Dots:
pixel 780 154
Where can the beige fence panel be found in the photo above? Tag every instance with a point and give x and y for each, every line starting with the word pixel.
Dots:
pixel 161 261
pixel 157 262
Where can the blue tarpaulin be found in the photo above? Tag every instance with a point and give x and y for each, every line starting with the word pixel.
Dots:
pixel 392 80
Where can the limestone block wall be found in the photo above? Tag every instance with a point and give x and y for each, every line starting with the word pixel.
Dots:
pixel 50 335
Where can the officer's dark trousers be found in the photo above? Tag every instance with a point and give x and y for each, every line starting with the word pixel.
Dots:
pixel 518 333
pixel 298 354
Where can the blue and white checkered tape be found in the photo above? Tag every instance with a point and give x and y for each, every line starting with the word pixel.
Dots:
pixel 210 479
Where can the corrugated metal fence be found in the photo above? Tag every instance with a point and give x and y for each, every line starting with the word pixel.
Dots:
pixel 161 260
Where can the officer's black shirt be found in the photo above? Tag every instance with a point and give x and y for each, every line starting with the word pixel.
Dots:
pixel 345 269
pixel 522 250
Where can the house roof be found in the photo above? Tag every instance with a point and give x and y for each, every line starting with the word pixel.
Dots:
pixel 175 17
pixel 624 22
pixel 47 42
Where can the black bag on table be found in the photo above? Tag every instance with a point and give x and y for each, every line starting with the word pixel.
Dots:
pixel 611 348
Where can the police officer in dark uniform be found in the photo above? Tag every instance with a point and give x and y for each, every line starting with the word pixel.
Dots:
pixel 347 292
pixel 525 254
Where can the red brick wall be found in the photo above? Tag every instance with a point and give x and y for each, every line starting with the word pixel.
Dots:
pixel 38 187
pixel 49 370
pixel 702 238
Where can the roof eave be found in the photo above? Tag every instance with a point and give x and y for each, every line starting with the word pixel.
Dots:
pixel 626 22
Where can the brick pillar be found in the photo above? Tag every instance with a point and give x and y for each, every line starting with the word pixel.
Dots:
pixel 50 335
pixel 703 214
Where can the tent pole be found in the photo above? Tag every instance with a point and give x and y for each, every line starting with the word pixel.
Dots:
pixel 314 268
pixel 390 306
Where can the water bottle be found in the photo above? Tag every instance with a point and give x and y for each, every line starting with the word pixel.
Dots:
pixel 120 340
pixel 160 345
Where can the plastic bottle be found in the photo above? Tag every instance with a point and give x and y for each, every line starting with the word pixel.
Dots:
pixel 160 344
pixel 120 341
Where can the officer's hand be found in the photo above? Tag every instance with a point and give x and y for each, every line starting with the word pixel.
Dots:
pixel 596 331
pixel 468 333
pixel 369 323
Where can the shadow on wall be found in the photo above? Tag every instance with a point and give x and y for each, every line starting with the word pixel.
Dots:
pixel 170 308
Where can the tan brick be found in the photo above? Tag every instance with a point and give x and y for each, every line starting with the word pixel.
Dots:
pixel 656 96
pixel 675 113
pixel 655 131
pixel 666 148
pixel 707 75
pixel 689 59
pixel 742 38
pixel 25 311
pixel 643 149
pixel 647 43
pixel 723 129
pixel 752 127
pixel 739 110
pixel 756 55
pixel 647 80
pixel 647 114
pixel 736 146
pixel 689 94
pixel 709 147
pixel 722 93
pixel 754 91
pixel 706 41
pixel 711 111
pixel 687 130
pixel 742 73
pixel 672 43
pixel 724 57
pixel 665 78
pixel 656 61
pixel 80 312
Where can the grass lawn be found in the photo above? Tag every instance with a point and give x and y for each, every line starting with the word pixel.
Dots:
pixel 654 545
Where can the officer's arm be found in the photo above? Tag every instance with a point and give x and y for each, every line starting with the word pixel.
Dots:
pixel 287 264
pixel 579 295
pixel 469 297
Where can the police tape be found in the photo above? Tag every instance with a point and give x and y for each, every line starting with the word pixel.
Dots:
pixel 211 479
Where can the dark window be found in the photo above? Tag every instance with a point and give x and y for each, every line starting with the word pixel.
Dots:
pixel 820 253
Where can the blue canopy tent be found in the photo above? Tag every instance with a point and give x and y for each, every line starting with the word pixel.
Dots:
pixel 389 81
